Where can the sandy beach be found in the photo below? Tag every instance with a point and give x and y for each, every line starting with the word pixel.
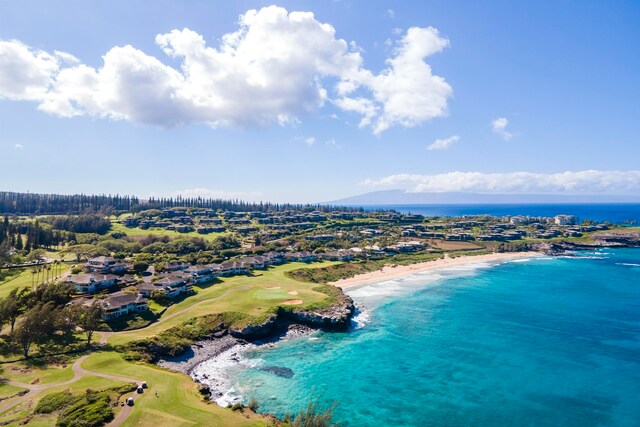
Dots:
pixel 389 272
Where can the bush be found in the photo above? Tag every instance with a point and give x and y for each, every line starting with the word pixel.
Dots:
pixel 312 416
pixel 91 410
pixel 253 405
pixel 237 407
pixel 54 402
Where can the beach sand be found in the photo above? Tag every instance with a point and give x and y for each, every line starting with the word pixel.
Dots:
pixel 394 272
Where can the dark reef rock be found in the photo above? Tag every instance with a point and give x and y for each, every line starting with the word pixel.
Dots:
pixel 278 370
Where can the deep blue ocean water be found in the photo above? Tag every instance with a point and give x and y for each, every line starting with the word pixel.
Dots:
pixel 615 213
pixel 539 342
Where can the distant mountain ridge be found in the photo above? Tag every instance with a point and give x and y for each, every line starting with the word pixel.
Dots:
pixel 401 197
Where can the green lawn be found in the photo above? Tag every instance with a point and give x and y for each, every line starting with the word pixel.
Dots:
pixel 244 294
pixel 20 413
pixel 26 374
pixel 8 390
pixel 178 402
pixel 16 278
pixel 137 232
pixel 20 278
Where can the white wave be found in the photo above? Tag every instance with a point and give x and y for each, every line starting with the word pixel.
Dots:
pixel 361 319
pixel 630 264
pixel 375 294
pixel 219 373
pixel 229 397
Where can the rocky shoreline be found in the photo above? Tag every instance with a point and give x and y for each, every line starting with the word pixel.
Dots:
pixel 223 347
pixel 601 240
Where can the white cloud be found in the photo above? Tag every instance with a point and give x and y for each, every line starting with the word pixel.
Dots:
pixel 443 144
pixel 582 182
pixel 25 73
pixel 390 13
pixel 499 127
pixel 257 76
pixel 310 141
pixel 19 146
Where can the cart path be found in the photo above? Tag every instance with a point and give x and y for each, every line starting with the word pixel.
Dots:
pixel 78 373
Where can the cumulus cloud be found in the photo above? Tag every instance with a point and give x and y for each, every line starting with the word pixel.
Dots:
pixel 25 73
pixel 310 141
pixel 276 68
pixel 19 146
pixel 443 144
pixel 582 182
pixel 499 127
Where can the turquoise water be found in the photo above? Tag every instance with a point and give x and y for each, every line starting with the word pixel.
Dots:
pixel 544 342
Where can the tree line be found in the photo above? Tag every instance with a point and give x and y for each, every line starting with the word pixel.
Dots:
pixel 62 204
pixel 44 316
pixel 87 223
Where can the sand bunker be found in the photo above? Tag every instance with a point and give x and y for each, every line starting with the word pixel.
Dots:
pixel 273 288
pixel 292 302
pixel 293 292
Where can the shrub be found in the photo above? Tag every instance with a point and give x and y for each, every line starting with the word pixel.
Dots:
pixel 76 270
pixel 253 405
pixel 91 410
pixel 54 402
pixel 312 416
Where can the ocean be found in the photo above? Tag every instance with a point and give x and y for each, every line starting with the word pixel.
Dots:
pixel 535 342
pixel 616 212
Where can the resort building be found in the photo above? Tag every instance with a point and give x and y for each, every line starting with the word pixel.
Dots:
pixel 104 264
pixel 121 304
pixel 92 282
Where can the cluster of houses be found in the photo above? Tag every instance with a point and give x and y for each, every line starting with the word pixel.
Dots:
pixel 206 221
pixel 176 279
pixel 504 229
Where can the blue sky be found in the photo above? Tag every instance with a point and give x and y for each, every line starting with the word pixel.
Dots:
pixel 500 96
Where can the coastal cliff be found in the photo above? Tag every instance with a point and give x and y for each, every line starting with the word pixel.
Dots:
pixel 336 317
pixel 286 322
pixel 601 240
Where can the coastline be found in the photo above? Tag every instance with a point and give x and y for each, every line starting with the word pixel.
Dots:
pixel 212 363
pixel 394 272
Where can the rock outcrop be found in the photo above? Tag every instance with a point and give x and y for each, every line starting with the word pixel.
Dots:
pixel 336 317
pixel 601 240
